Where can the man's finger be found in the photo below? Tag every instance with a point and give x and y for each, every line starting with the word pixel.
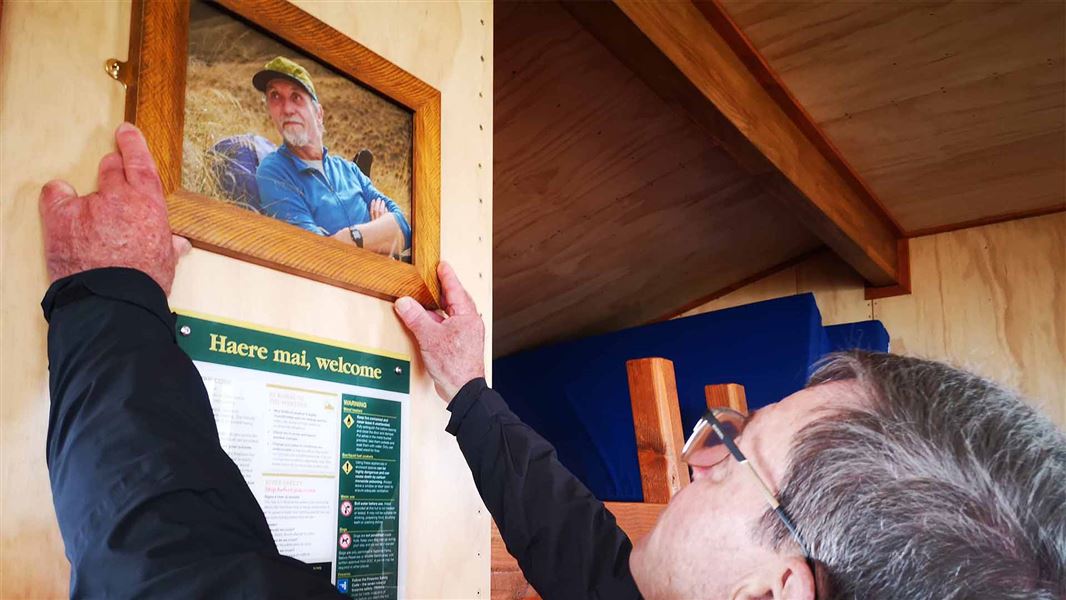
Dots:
pixel 415 317
pixel 110 174
pixel 138 165
pixel 54 194
pixel 456 300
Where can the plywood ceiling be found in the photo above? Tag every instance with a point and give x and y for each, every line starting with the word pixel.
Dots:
pixel 610 207
pixel 952 112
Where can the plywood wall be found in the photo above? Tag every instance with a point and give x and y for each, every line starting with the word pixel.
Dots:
pixel 612 205
pixel 57 111
pixel 991 299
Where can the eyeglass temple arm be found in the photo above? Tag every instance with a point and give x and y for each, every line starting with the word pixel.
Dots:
pixel 771 499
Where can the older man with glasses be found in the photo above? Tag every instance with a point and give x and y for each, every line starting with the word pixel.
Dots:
pixel 886 478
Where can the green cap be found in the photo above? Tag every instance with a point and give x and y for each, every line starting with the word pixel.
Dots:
pixel 284 68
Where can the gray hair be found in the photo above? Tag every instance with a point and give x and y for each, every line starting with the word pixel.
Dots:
pixel 938 485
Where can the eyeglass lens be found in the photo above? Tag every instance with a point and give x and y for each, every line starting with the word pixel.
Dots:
pixel 705 448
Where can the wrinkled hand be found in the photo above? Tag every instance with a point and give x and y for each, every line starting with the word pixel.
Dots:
pixel 377 209
pixel 452 346
pixel 122 225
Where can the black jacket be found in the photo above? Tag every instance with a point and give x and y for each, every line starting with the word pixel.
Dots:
pixel 149 505
pixel 566 542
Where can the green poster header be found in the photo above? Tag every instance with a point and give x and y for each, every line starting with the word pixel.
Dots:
pixel 250 348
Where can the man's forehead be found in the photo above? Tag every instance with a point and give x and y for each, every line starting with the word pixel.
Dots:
pixel 284 85
pixel 785 417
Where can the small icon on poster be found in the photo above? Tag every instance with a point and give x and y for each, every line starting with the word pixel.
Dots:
pixel 346 508
pixel 345 541
pixel 342 586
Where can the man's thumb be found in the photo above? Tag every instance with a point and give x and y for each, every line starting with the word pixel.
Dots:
pixel 55 193
pixel 411 313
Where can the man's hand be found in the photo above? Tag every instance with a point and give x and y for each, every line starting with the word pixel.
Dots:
pixel 122 225
pixel 377 209
pixel 452 346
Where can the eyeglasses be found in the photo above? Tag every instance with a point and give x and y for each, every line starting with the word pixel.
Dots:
pixel 713 440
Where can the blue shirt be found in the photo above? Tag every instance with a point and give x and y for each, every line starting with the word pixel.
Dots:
pixel 322 202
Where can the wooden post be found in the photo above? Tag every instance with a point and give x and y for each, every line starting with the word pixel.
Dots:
pixel 727 395
pixel 657 422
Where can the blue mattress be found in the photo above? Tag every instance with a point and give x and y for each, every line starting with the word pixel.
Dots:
pixel 576 394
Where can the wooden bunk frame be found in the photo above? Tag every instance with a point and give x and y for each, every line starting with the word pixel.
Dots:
pixel 657 424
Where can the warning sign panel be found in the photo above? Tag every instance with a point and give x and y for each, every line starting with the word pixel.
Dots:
pixel 369 496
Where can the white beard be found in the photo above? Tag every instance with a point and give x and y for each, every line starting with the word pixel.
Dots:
pixel 296 137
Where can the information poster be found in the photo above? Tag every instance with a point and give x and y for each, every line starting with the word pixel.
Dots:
pixel 317 430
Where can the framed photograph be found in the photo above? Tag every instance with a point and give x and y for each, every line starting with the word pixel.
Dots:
pixel 282 142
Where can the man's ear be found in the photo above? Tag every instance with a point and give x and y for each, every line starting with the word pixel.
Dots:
pixel 786 579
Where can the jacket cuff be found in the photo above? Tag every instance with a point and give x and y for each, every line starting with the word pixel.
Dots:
pixel 114 283
pixel 463 405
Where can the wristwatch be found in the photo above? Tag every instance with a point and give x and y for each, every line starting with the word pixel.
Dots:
pixel 357 236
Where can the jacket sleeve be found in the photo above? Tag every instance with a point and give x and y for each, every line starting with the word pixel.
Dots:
pixel 371 193
pixel 566 542
pixel 148 503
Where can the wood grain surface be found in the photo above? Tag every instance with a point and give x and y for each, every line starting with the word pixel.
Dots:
pixel 657 424
pixel 271 243
pixel 611 206
pixel 727 395
pixel 831 205
pixel 64 123
pixel 991 299
pixel 155 102
pixel 952 112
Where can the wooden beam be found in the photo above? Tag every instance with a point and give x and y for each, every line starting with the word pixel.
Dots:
pixel 733 35
pixel 727 395
pixel 680 54
pixel 657 422
pixel 904 286
pixel 637 519
pixel 1000 218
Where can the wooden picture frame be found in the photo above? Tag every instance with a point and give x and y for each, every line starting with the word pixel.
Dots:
pixel 155 79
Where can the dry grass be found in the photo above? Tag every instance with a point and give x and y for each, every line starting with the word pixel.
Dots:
pixel 220 102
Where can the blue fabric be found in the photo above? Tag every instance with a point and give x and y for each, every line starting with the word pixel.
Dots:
pixel 236 159
pixel 295 192
pixel 863 335
pixel 576 394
